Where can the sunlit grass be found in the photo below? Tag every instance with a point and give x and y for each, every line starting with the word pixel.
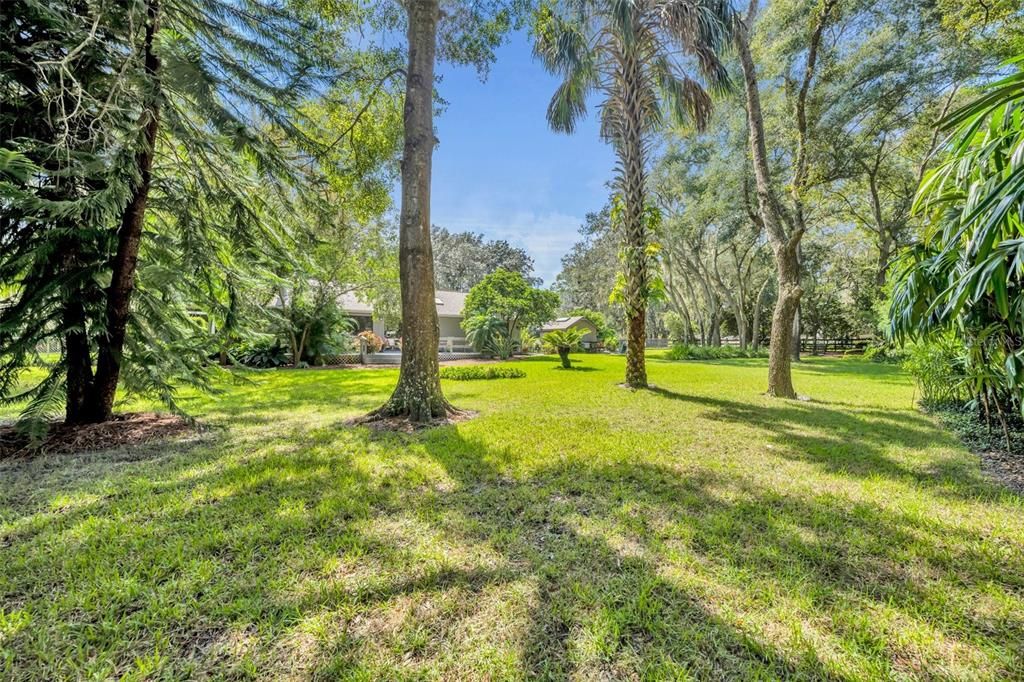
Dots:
pixel 573 529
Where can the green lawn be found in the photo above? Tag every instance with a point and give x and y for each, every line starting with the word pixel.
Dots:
pixel 572 530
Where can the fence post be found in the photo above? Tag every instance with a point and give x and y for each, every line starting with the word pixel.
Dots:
pixel 362 351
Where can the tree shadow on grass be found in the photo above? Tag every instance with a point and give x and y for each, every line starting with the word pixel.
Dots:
pixel 327 553
pixel 854 441
pixel 598 542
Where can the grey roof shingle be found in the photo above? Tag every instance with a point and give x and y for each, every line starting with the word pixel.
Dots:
pixel 449 303
pixel 563 323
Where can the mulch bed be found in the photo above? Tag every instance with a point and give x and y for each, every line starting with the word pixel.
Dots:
pixel 1005 467
pixel 403 425
pixel 124 430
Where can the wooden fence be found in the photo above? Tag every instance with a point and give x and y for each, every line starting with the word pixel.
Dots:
pixel 850 345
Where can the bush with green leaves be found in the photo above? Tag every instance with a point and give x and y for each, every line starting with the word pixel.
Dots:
pixel 676 326
pixel 263 353
pixel 685 351
pixel 488 334
pixel 938 366
pixel 529 342
pixel 475 372
pixel 563 342
pixel 962 283
pixel 885 352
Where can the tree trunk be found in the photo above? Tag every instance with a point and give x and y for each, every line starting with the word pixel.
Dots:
pixel 563 355
pixel 797 318
pixel 79 376
pixel 780 376
pixel 755 337
pixel 122 280
pixel 885 244
pixel 418 395
pixel 797 334
pixel 785 246
pixel 630 149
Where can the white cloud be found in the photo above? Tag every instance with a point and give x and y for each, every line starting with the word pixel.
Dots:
pixel 545 236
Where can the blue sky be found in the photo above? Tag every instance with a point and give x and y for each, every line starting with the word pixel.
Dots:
pixel 501 171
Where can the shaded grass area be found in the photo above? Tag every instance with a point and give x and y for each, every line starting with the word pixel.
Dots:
pixel 573 530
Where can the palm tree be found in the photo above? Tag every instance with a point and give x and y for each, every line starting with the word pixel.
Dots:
pixel 635 54
pixel 563 342
pixel 965 277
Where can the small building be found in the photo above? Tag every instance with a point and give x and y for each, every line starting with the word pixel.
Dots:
pixel 590 340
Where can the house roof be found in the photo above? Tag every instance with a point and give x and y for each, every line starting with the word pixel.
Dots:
pixel 449 303
pixel 350 302
pixel 563 323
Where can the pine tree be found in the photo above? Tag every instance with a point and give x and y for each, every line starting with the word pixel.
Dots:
pixel 146 139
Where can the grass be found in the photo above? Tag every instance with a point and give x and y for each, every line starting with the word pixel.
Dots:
pixel 574 529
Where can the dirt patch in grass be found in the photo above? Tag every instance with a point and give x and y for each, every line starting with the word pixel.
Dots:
pixel 404 425
pixel 124 430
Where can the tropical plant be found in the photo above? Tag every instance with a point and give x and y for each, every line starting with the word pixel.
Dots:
pixel 482 331
pixel 965 276
pixel 265 352
pixel 312 321
pixel 625 50
pixel 938 367
pixel 502 346
pixel 528 341
pixel 563 342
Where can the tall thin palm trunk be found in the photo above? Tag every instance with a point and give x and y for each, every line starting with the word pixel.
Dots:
pixel 633 178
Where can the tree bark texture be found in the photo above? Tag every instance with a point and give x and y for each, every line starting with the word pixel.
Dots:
pixel 785 244
pixel 630 150
pixel 418 395
pixel 129 238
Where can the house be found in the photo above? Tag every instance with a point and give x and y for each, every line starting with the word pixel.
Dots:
pixel 589 340
pixel 449 314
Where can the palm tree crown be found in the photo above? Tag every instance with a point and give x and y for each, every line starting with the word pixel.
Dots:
pixel 645 58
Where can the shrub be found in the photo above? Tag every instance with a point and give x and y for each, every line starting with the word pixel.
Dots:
pixel 501 346
pixel 528 342
pixel 488 334
pixel 262 353
pixel 675 325
pixel 977 432
pixel 474 372
pixel 886 352
pixel 938 367
pixel 373 342
pixel 683 351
